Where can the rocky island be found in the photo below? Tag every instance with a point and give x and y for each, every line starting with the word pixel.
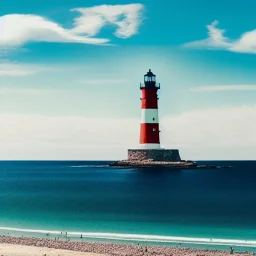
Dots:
pixel 158 158
pixel 149 163
pixel 151 154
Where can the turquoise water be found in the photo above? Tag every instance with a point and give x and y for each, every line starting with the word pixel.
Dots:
pixel 76 196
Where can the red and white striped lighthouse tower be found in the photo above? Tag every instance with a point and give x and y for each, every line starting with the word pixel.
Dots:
pixel 150 149
pixel 149 127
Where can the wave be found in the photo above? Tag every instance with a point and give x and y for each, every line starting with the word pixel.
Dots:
pixel 140 237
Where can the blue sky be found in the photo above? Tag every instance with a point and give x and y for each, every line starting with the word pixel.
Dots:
pixel 70 74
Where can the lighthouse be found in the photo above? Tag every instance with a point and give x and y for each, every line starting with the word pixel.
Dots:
pixel 149 144
pixel 149 126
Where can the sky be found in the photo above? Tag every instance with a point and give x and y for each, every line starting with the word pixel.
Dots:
pixel 70 73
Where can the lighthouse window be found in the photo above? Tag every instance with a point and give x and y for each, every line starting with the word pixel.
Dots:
pixel 154 129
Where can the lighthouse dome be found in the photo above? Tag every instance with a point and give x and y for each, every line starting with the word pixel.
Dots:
pixel 150 77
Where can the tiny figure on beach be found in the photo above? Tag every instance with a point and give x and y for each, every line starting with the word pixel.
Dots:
pixel 231 250
pixel 81 236
pixel 139 249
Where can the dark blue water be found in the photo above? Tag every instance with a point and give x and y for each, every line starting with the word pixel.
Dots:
pixel 71 195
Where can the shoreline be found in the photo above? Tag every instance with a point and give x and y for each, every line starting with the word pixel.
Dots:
pixel 128 237
pixel 113 249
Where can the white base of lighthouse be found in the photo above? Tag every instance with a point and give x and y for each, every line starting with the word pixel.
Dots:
pixel 150 146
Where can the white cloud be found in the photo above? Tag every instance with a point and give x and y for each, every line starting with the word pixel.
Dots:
pixel 246 43
pixel 215 88
pixel 218 133
pixel 127 18
pixel 216 40
pixel 33 28
pixel 10 69
pixel 19 29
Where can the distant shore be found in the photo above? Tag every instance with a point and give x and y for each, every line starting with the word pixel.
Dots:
pixel 99 248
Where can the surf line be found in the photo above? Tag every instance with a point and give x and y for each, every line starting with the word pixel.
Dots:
pixel 139 237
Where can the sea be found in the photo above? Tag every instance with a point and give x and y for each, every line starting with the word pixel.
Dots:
pixel 213 207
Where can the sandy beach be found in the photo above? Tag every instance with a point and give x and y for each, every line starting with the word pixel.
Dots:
pixel 26 250
pixel 17 246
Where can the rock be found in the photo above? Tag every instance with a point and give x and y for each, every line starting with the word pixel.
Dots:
pixel 153 164
pixel 149 163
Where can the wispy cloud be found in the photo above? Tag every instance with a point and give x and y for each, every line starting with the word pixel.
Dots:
pixel 19 29
pixel 102 81
pixel 216 88
pixel 216 40
pixel 18 69
pixel 127 19
pixel 13 69
pixel 23 91
pixel 33 28
pixel 6 50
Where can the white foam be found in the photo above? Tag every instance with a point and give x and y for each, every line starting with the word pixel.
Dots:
pixel 139 237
